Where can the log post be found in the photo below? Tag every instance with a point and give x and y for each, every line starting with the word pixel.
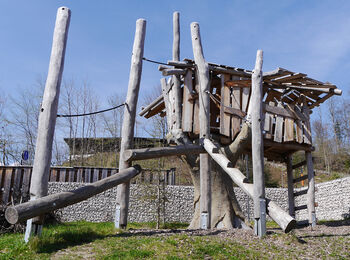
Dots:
pixel 176 78
pixel 127 135
pixel 32 208
pixel 47 117
pixel 258 147
pixel 204 119
pixel 311 189
pixel 291 203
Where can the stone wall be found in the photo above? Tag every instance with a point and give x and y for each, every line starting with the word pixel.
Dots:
pixel 147 202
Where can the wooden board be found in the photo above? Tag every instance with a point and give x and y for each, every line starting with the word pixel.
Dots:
pixel 71 175
pixel 279 127
pixel 96 175
pixel 288 130
pixel 187 108
pixel 268 123
pixel 17 183
pixel 62 175
pixel 235 103
pixel 196 128
pixel 80 175
pixel 87 175
pixel 7 186
pixel 53 175
pixel 245 99
pixel 104 173
pixel 27 175
pixel 225 101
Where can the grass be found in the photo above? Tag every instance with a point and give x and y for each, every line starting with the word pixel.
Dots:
pixel 80 240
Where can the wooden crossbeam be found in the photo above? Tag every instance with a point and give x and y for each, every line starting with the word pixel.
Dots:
pixel 301 192
pixel 299 164
pixel 300 207
pixel 299 179
pixel 156 152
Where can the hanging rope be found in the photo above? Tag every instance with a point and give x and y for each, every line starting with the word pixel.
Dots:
pixel 93 113
pixel 156 62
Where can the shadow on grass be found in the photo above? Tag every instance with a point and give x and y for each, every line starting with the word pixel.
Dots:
pixel 61 240
pixel 192 232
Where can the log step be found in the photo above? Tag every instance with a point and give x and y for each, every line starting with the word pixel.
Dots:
pixel 301 192
pixel 300 207
pixel 299 164
pixel 299 179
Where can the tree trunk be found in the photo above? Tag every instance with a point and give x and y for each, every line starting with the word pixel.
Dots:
pixel 226 212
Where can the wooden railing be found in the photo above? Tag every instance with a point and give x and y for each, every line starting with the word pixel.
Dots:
pixel 15 180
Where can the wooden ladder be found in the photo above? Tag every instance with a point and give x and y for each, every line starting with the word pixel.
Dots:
pixel 309 191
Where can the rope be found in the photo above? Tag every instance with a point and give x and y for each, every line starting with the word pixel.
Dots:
pixel 156 62
pixel 93 113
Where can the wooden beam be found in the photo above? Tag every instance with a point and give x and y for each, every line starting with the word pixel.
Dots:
pixel 176 72
pixel 311 189
pixel 257 118
pixel 302 163
pixel 286 222
pixel 156 152
pixel 289 146
pixel 21 212
pixel 222 70
pixel 48 114
pixel 127 136
pixel 151 105
pixel 291 203
pixel 204 121
pixel 299 179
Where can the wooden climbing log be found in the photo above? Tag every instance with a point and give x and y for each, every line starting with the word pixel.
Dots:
pixel 30 209
pixel 282 218
pixel 204 122
pixel 156 152
pixel 257 135
pixel 127 135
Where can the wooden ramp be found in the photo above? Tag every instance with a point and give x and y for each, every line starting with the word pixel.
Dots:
pixel 282 218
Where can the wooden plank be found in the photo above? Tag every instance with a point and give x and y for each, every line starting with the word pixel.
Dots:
pixel 104 173
pixel 187 109
pixel 245 99
pixel 300 193
pixel 307 138
pixel 302 163
pixel 299 179
pixel 288 130
pixel 7 186
pixel 225 102
pixel 71 175
pixel 80 175
pixel 235 104
pixel 62 175
pixel 196 127
pixel 284 112
pixel 279 127
pixel 234 112
pixel 87 175
pixel 27 174
pixel 268 123
pixel 17 184
pixel 53 175
pixel 96 173
pixel 297 208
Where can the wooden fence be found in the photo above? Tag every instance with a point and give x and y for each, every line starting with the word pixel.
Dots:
pixel 15 180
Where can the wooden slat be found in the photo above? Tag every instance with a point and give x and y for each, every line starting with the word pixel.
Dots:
pixel 288 130
pixel 279 127
pixel 96 175
pixel 53 175
pixel 27 174
pixel 268 123
pixel 104 173
pixel 196 128
pixel 80 175
pixel 187 108
pixel 87 176
pixel 307 127
pixel 291 77
pixel 7 186
pixel 62 175
pixel 71 175
pixel 236 104
pixel 225 101
pixel 17 183
pixel 245 99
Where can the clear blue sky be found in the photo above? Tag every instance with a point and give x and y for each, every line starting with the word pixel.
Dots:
pixel 304 36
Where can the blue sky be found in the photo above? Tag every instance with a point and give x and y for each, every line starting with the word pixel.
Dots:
pixel 304 36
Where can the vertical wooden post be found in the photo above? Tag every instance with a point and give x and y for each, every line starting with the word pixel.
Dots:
pixel 258 147
pixel 204 119
pixel 311 189
pixel 47 117
pixel 176 79
pixel 291 203
pixel 123 190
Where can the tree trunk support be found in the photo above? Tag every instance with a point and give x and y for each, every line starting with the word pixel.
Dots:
pixel 204 118
pixel 47 118
pixel 311 190
pixel 291 203
pixel 123 190
pixel 258 148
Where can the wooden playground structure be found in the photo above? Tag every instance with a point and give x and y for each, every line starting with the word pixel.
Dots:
pixel 211 111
